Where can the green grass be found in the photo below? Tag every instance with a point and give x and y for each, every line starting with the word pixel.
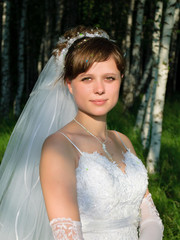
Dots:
pixel 164 185
pixel 6 128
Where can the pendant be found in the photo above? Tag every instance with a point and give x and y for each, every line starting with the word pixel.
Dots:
pixel 105 150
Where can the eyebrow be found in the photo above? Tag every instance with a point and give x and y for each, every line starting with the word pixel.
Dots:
pixel 105 74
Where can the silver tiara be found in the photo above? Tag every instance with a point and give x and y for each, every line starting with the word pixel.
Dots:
pixel 70 41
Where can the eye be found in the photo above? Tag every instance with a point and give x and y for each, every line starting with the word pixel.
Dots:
pixel 110 78
pixel 86 79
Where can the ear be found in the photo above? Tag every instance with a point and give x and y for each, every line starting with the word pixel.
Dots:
pixel 68 82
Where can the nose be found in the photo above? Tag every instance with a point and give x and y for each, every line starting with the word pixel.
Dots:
pixel 99 87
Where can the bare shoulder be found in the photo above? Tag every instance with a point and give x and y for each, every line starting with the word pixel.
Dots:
pixel 127 142
pixel 55 141
pixel 58 177
pixel 57 155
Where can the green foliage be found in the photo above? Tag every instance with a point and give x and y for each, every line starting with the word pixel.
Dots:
pixel 164 185
pixel 6 127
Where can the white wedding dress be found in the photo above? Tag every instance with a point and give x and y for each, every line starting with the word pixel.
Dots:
pixel 109 203
pixel 109 200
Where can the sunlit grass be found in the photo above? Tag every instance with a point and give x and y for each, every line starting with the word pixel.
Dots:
pixel 6 128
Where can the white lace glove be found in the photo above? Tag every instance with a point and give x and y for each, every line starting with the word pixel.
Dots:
pixel 151 227
pixel 66 229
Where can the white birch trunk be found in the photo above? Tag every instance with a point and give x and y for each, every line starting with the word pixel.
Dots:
pixel 135 66
pixel 127 46
pixel 156 40
pixel 128 35
pixel 5 82
pixel 145 77
pixel 21 75
pixel 154 151
pixel 141 111
pixel 145 133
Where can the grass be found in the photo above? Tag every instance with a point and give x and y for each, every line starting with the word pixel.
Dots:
pixel 6 128
pixel 164 185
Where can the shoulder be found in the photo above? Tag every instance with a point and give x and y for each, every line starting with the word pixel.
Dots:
pixel 58 177
pixel 125 140
pixel 56 142
pixel 58 151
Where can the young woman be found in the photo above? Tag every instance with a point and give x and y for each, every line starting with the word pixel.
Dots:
pixel 94 186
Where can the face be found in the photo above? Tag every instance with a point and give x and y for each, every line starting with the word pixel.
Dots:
pixel 96 91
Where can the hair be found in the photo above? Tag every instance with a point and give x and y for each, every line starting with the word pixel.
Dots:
pixel 85 51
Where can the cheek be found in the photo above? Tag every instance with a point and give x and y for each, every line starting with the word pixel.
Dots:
pixel 115 90
pixel 80 94
pixel 115 93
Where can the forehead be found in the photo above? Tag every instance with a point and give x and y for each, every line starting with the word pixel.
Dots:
pixel 108 66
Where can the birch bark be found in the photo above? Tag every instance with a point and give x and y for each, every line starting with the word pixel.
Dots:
pixel 135 66
pixel 21 73
pixel 145 77
pixel 141 111
pixel 127 46
pixel 145 134
pixel 154 151
pixel 5 82
pixel 128 36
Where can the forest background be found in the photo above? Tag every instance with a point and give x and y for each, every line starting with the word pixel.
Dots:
pixel 149 108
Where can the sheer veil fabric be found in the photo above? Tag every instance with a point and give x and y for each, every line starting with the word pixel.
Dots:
pixel 22 210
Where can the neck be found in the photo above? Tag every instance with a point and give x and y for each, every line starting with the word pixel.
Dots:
pixel 96 125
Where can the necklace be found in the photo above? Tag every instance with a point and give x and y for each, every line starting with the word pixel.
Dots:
pixel 102 143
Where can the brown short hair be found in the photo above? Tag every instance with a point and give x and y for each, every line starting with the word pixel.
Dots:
pixel 85 51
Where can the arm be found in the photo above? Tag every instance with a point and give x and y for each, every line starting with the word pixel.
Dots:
pixel 58 181
pixel 151 226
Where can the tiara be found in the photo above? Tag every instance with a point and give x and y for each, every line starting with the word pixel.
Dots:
pixel 70 41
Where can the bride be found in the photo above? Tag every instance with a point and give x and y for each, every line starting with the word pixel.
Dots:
pixel 87 180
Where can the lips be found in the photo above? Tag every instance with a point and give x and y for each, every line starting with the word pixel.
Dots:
pixel 98 101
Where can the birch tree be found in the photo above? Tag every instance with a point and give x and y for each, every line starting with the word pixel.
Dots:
pixel 145 133
pixel 21 74
pixel 5 83
pixel 154 150
pixel 154 62
pixel 128 36
pixel 141 111
pixel 144 77
pixel 128 45
pixel 135 66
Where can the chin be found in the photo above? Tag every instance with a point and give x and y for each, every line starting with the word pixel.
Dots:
pixel 97 113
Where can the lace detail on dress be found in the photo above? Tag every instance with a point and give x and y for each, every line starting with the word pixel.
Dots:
pixel 66 229
pixel 106 194
pixel 151 226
